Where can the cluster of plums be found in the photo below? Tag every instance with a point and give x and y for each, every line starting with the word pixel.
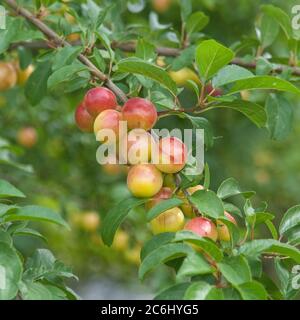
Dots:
pixel 154 180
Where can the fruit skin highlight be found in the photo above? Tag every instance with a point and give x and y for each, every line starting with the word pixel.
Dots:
pixel 171 220
pixel 203 227
pixel 99 99
pixel 172 155
pixel 223 232
pixel 84 121
pixel 108 119
pixel 139 113
pixel 8 76
pixel 144 180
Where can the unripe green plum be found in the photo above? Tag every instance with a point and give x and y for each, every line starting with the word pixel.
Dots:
pixel 83 119
pixel 172 155
pixel 139 113
pixel 99 99
pixel 169 181
pixel 164 194
pixel 182 76
pixel 144 180
pixel 223 232
pixel 139 143
pixel 108 119
pixel 171 220
pixel 203 227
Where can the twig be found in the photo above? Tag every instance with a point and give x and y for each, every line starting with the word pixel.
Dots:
pixel 55 39
pixel 162 51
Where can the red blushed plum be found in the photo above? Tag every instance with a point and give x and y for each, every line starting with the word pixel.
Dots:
pixel 172 155
pixel 203 227
pixel 27 137
pixel 83 119
pixel 164 194
pixel 223 232
pixel 144 180
pixel 171 220
pixel 214 92
pixel 139 113
pixel 108 119
pixel 99 99
pixel 139 143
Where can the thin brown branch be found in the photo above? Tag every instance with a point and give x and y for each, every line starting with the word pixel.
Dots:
pixel 57 41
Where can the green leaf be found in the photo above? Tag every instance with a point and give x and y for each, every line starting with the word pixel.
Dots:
pixel 230 187
pixel 29 232
pixel 271 287
pixel 203 291
pixel 175 292
pixel 206 183
pixel 269 28
pixel 163 206
pixel 281 17
pixel 65 56
pixel 272 229
pixel 186 8
pixel 194 264
pixel 138 66
pixel 36 86
pixel 280 116
pixel 145 50
pixel 293 236
pixel 211 56
pixel 7 190
pixel 11 271
pixel 64 74
pixel 236 270
pixel 185 59
pixel 252 111
pixel 257 247
pixel 196 22
pixel 35 213
pixel 290 219
pixel 161 255
pixel 263 82
pixel 115 217
pixel 230 74
pixel 156 242
pixel 205 244
pixel 208 203
pixel 252 290
pixel 5 237
pixel 35 291
pixel 203 123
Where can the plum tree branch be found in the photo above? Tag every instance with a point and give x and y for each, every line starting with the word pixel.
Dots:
pixel 57 41
pixel 162 51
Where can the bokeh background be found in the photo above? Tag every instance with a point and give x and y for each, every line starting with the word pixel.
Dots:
pixel 60 171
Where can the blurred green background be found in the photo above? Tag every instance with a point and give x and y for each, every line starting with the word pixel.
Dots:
pixel 66 177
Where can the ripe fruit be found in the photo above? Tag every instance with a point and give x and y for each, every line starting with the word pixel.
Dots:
pixel 163 194
pixel 139 143
pixel 183 75
pixel 161 6
pixel 172 155
pixel 27 137
pixel 8 76
pixel 214 92
pixel 203 227
pixel 139 113
pixel 23 75
pixel 144 180
pixel 132 255
pixel 223 232
pixel 84 121
pixel 121 241
pixel 108 119
pixel 90 221
pixel 186 208
pixel 171 220
pixel 99 99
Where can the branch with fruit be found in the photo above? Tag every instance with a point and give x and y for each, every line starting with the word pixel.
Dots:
pixel 210 243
